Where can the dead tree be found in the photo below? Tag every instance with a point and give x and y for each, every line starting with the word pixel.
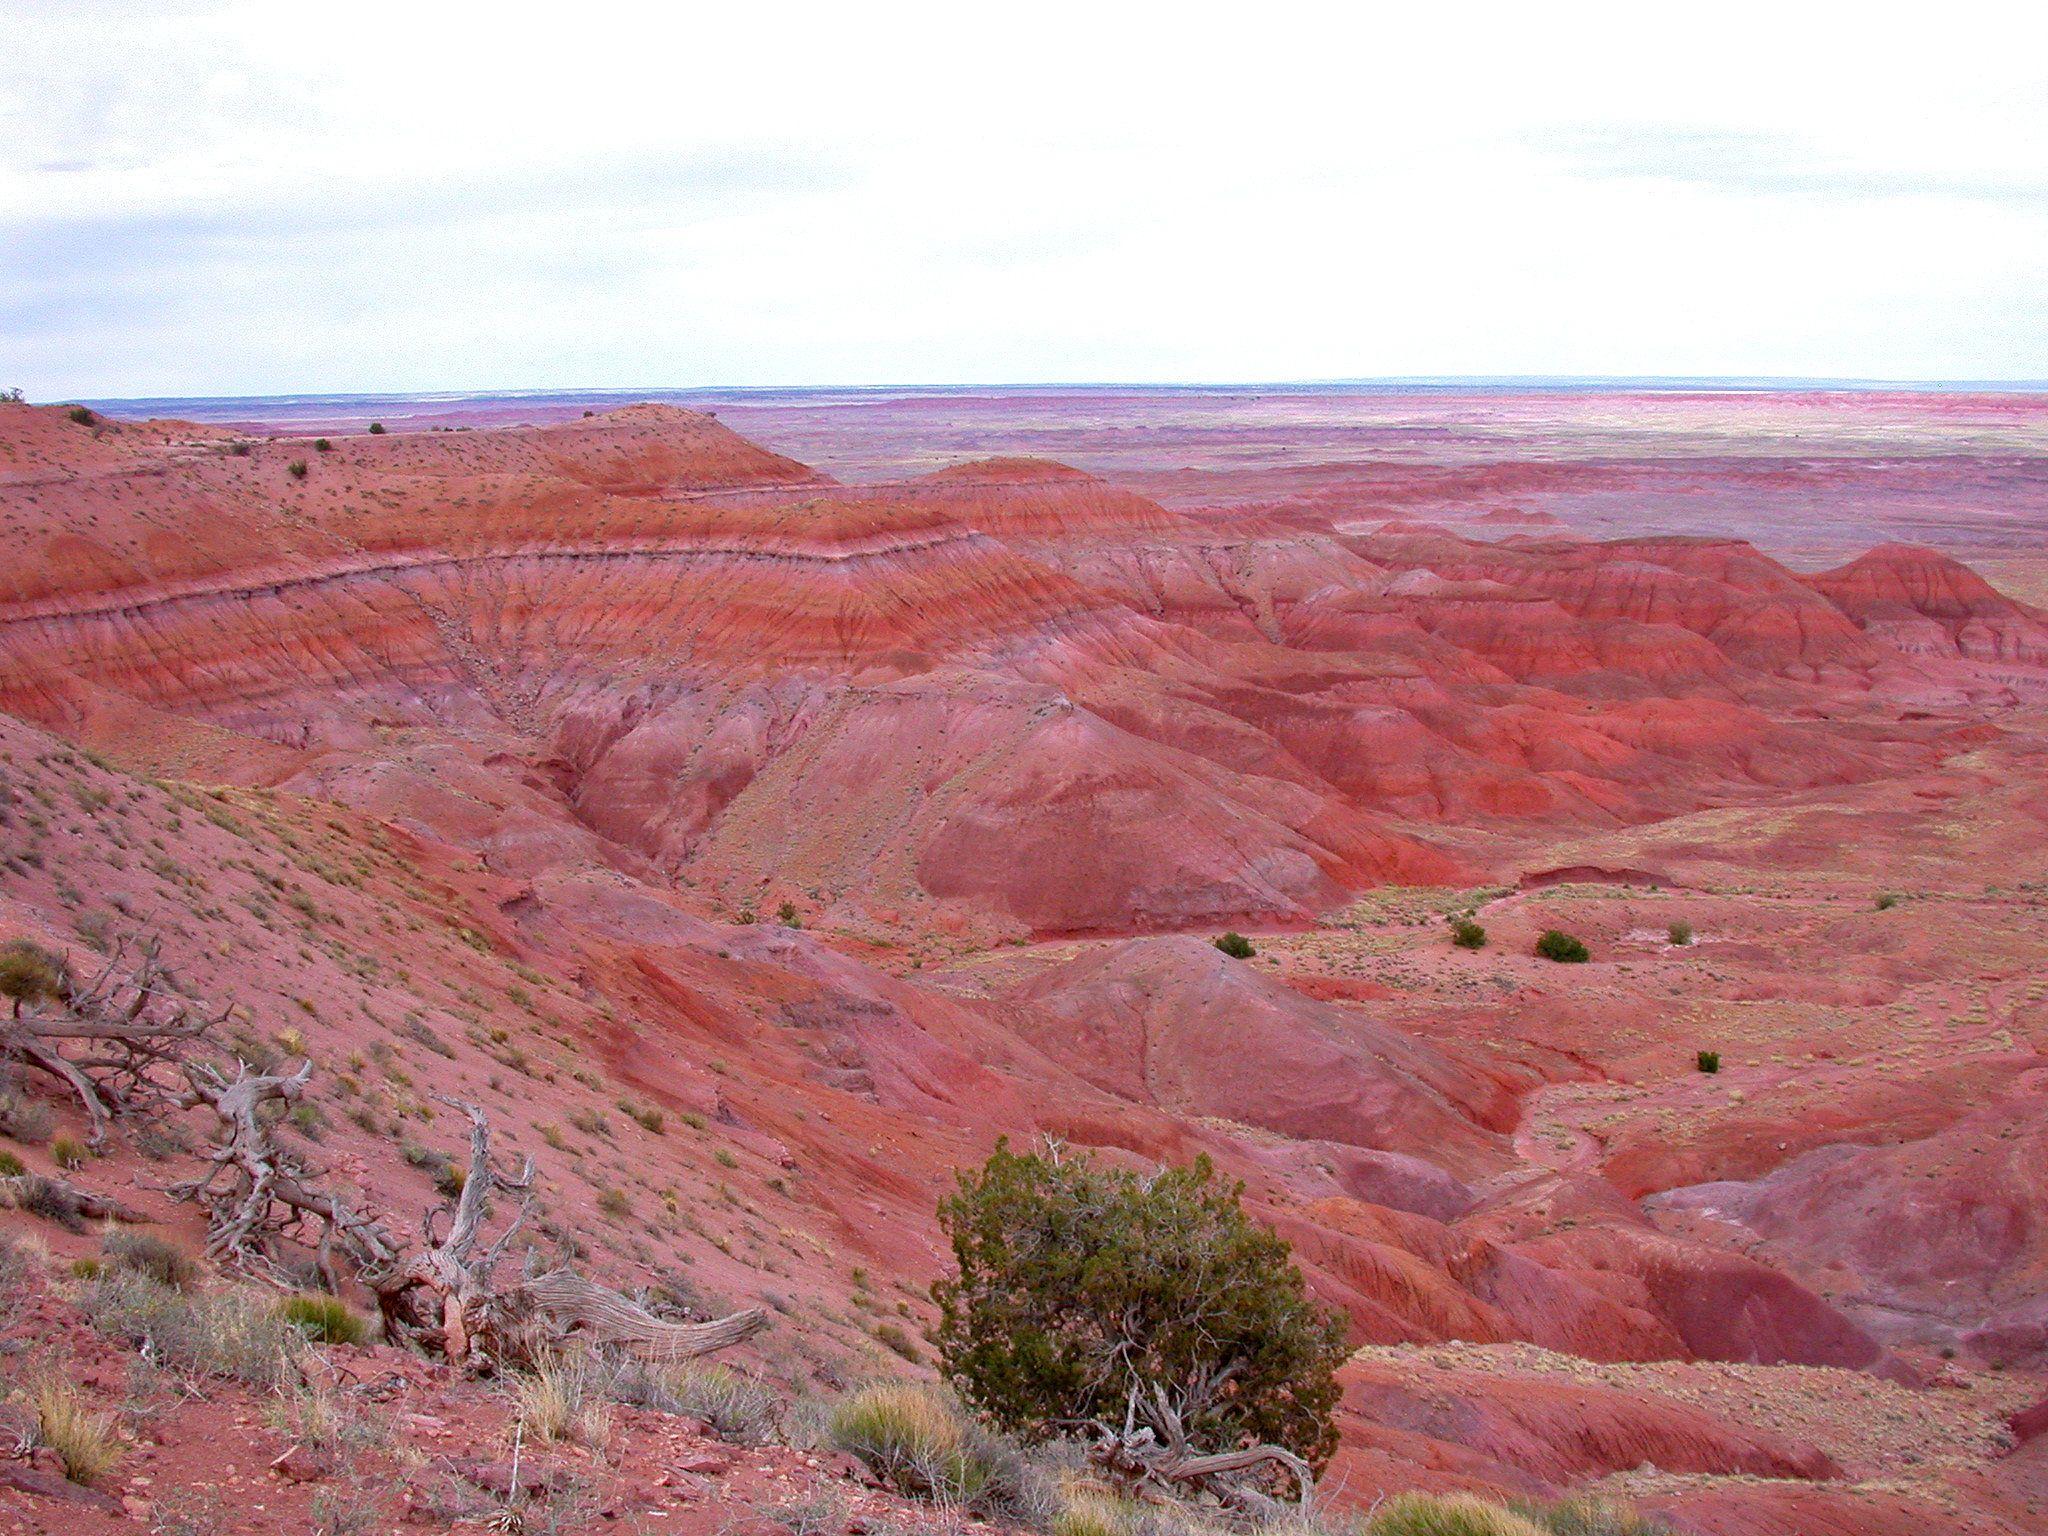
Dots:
pixel 452 1268
pixel 483 1323
pixel 1150 1450
pixel 443 1294
pixel 108 1037
pixel 258 1193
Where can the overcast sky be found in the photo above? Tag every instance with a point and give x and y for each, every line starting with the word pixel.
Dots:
pixel 282 197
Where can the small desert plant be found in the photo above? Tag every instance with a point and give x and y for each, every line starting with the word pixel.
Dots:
pixel 348 1509
pixel 1679 932
pixel 1096 1512
pixel 1887 901
pixel 16 1267
pixel 321 445
pixel 11 1167
pixel 233 1334
pixel 920 1443
pixel 646 1115
pixel 1467 934
pixel 1708 1061
pixel 296 469
pixel 1562 947
pixel 318 1416
pixel 68 1152
pixel 560 1401
pixel 87 1444
pixel 324 1319
pixel 81 415
pixel 892 1336
pixel 24 1118
pixel 376 429
pixel 1235 945
pixel 786 915
pixel 34 1195
pixel 1423 1514
pixel 1583 1516
pixel 149 1255
pixel 28 973
pixel 736 1407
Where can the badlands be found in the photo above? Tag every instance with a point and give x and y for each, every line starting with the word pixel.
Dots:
pixel 760 805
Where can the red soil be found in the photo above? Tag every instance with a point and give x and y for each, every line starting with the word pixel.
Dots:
pixel 486 759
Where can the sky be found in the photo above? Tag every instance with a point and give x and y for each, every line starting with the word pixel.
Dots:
pixel 263 198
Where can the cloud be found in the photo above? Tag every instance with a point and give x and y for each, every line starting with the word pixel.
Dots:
pixel 219 196
pixel 1769 164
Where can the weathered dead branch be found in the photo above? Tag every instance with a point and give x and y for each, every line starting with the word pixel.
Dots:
pixel 257 1193
pixel 443 1294
pixel 61 1201
pixel 1151 1450
pixel 107 1037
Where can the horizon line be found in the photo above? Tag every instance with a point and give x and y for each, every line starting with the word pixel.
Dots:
pixel 1675 383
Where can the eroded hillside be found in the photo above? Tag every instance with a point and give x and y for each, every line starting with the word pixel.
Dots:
pixel 757 849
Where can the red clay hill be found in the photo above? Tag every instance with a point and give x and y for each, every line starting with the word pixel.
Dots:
pixel 626 762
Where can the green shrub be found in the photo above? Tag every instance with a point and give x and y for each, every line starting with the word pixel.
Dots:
pixel 1562 947
pixel 786 915
pixel 1236 945
pixel 1079 1283
pixel 11 1167
pixel 296 469
pixel 68 1152
pixel 1709 1061
pixel 28 973
pixel 321 445
pixel 152 1256
pixel 1424 1514
pixel 81 415
pixel 1680 932
pixel 376 429
pixel 1467 934
pixel 1887 901
pixel 919 1442
pixel 1584 1516
pixel 324 1319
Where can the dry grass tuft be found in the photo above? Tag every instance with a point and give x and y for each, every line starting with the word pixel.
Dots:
pixel 561 1401
pixel 87 1444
